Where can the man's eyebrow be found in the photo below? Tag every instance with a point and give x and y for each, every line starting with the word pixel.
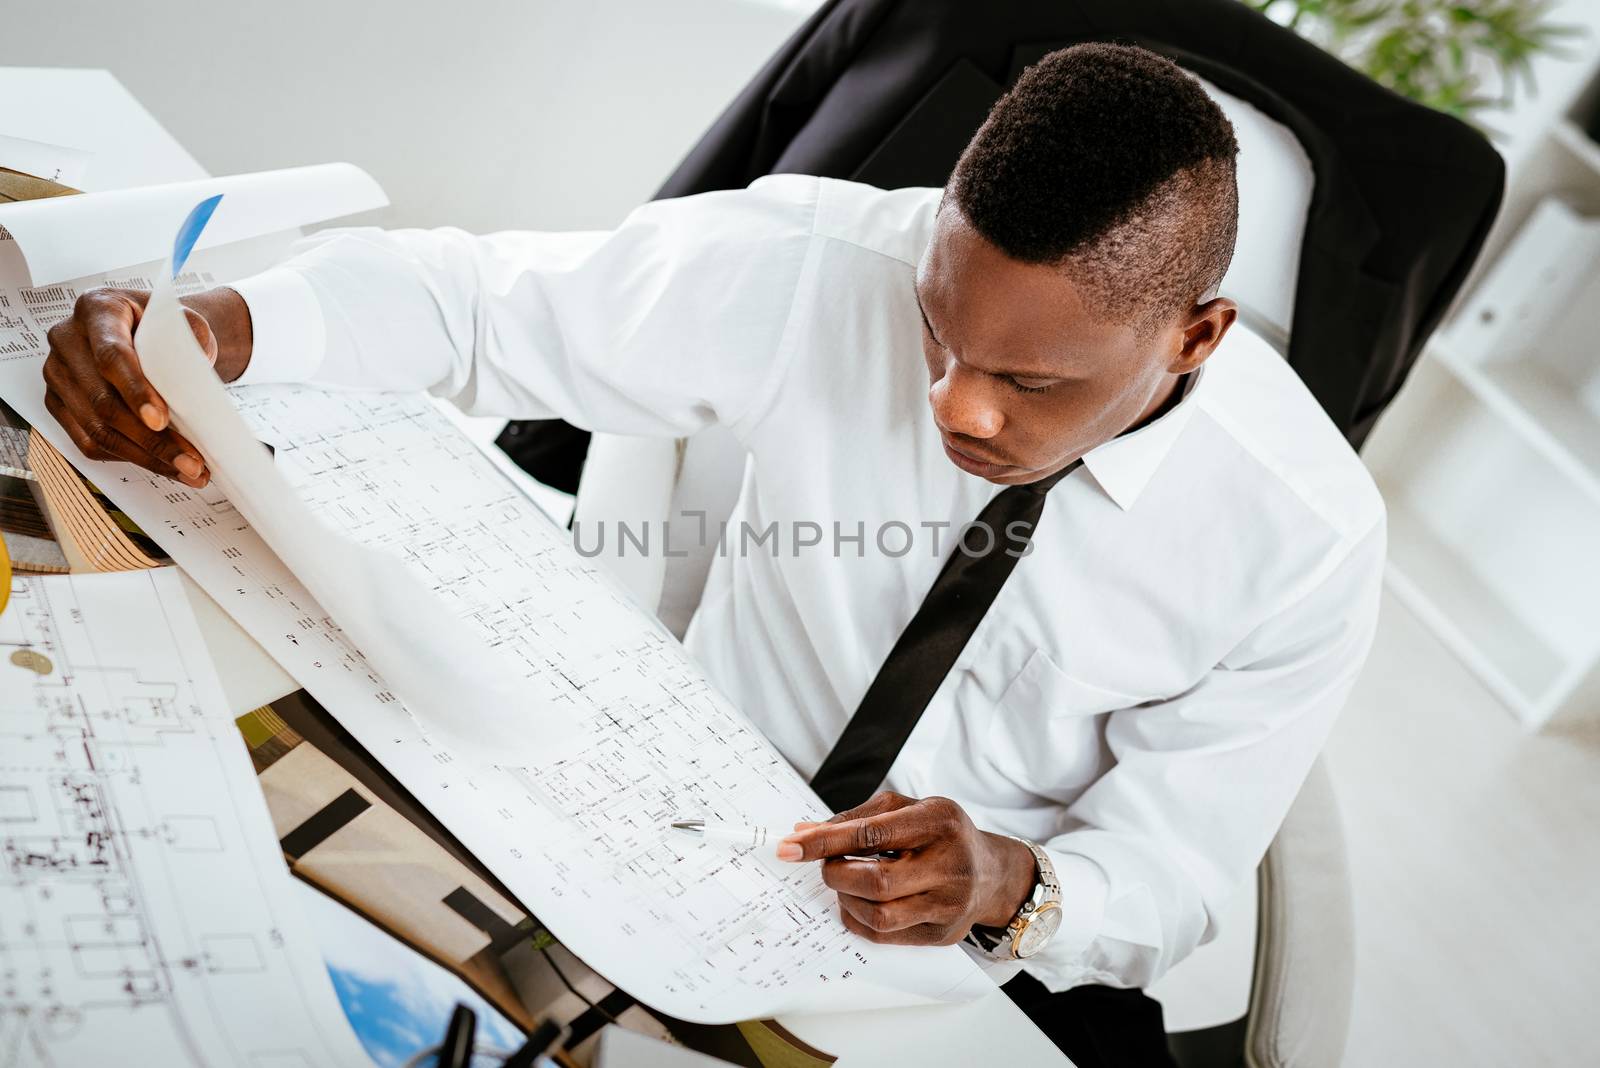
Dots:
pixel 1043 376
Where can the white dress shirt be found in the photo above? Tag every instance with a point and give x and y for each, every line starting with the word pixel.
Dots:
pixel 1153 682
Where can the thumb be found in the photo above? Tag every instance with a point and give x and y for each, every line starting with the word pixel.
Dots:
pixel 202 333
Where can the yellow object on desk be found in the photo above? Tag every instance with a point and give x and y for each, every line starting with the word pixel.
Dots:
pixel 5 576
pixel 775 1047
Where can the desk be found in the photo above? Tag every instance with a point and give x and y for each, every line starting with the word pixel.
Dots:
pixel 90 110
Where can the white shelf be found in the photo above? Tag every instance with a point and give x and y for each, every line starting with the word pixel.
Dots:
pixel 1570 136
pixel 1542 409
pixel 1523 343
pixel 1489 460
pixel 1489 543
pixel 1439 586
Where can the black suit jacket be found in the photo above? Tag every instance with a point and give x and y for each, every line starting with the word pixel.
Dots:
pixel 889 92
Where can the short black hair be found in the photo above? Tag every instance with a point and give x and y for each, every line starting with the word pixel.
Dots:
pixel 1113 163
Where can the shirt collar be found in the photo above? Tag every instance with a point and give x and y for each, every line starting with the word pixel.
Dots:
pixel 1124 465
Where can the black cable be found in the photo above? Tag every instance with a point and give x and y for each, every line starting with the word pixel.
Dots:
pixel 568 984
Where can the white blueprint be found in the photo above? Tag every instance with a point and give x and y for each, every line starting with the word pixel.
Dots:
pixel 577 832
pixel 466 693
pixel 146 915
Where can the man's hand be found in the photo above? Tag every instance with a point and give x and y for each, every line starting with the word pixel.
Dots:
pixel 97 391
pixel 946 877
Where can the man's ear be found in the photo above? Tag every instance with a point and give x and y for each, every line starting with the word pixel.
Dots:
pixel 1202 332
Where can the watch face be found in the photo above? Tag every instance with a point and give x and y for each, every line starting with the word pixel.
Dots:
pixel 1041 928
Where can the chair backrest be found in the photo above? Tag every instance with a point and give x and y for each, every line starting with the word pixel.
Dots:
pixel 889 92
pixel 1275 186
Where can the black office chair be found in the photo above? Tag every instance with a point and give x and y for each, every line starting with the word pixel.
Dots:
pixel 1396 204
pixel 889 92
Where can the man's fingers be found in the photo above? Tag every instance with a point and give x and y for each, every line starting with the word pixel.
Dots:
pixel 122 437
pixel 84 349
pixel 97 344
pixel 174 450
pixel 119 366
pixel 882 880
pixel 898 915
pixel 905 828
pixel 105 443
pixel 80 437
pixel 110 339
pixel 882 801
pixel 921 934
pixel 98 392
pixel 184 446
pixel 103 416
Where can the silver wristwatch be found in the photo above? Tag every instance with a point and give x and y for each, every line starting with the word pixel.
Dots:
pixel 1035 923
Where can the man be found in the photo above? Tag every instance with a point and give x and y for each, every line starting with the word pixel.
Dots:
pixel 1041 343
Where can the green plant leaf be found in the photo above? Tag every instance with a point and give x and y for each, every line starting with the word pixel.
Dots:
pixel 1433 51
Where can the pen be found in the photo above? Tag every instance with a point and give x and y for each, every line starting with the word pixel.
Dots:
pixel 731 833
pixel 754 837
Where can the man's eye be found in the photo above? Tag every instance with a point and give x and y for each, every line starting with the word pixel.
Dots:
pixel 1027 385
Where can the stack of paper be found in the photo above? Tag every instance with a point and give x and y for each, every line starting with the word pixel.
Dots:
pixel 146 906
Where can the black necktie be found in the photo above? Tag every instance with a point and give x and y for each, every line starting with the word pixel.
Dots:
pixel 928 647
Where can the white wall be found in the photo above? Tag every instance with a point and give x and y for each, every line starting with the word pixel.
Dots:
pixel 484 114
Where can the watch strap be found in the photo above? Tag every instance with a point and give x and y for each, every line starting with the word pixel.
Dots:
pixel 989 939
pixel 998 941
pixel 1047 886
pixel 1046 891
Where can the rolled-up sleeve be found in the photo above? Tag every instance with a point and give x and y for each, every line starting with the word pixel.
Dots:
pixel 1150 853
pixel 671 322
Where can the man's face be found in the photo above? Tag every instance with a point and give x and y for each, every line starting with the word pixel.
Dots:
pixel 1023 377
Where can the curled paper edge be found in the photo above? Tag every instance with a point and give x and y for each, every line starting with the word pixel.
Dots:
pixel 460 690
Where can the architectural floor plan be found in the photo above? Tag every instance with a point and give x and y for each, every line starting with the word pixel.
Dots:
pixel 144 903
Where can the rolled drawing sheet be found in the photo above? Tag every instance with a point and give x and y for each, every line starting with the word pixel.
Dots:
pixel 64 238
pixel 460 690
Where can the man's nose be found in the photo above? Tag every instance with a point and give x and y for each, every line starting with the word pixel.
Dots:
pixel 963 403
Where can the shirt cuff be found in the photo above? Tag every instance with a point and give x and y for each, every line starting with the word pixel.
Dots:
pixel 1084 889
pixel 288 335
